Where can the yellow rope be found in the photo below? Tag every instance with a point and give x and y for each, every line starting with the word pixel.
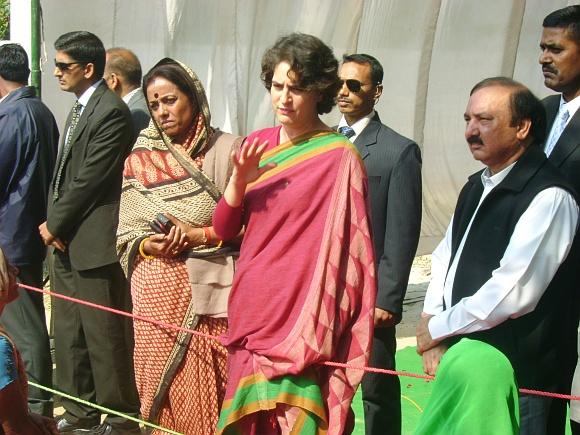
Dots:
pixel 103 409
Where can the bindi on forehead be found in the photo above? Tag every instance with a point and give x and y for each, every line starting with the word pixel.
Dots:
pixel 156 95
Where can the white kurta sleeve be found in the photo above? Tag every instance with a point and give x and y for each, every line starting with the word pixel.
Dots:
pixel 539 244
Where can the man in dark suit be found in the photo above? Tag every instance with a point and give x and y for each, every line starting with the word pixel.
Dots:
pixel 93 348
pixel 393 165
pixel 123 76
pixel 560 60
pixel 28 147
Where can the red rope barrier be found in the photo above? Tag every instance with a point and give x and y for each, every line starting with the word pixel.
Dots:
pixel 327 363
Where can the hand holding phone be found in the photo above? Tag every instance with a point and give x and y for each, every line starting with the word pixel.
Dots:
pixel 161 224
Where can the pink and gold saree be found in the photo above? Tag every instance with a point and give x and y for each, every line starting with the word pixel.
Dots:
pixel 304 289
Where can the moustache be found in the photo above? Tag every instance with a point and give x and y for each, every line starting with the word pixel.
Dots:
pixel 474 140
pixel 549 69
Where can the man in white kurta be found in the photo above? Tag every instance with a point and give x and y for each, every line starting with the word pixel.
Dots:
pixel 502 135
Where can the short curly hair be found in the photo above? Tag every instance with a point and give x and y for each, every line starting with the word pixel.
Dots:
pixel 311 60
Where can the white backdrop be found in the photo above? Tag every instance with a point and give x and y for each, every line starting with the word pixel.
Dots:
pixel 433 52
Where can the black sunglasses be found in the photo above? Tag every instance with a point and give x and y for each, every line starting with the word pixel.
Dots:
pixel 354 85
pixel 64 66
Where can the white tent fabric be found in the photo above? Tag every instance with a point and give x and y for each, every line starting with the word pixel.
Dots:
pixel 432 51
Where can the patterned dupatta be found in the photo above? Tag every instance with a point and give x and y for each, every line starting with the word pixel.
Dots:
pixel 162 177
pixel 336 283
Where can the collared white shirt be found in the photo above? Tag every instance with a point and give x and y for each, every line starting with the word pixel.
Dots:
pixel 358 126
pixel 84 99
pixel 539 244
pixel 572 107
pixel 129 95
pixel 86 96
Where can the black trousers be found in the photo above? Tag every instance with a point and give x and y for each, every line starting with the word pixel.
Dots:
pixel 25 321
pixel 382 393
pixel 94 348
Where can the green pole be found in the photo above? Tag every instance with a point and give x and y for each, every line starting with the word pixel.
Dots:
pixel 35 45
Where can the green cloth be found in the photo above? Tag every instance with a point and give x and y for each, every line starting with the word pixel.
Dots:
pixel 474 393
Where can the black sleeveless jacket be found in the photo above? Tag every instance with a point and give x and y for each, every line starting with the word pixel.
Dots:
pixel 538 342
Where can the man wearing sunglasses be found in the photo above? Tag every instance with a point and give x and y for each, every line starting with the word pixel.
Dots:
pixel 93 348
pixel 393 165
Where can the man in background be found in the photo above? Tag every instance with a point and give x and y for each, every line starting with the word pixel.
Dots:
pixel 28 147
pixel 560 60
pixel 393 165
pixel 123 76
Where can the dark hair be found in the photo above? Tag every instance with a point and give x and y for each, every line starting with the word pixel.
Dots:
pixel 566 18
pixel 523 105
pixel 125 63
pixel 170 70
pixel 367 59
pixel 83 47
pixel 311 60
pixel 14 63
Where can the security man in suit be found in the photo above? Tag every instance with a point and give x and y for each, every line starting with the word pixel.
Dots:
pixel 560 60
pixel 93 348
pixel 393 165
pixel 123 76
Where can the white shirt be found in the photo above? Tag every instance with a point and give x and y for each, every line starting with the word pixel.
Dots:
pixel 539 244
pixel 572 107
pixel 358 126
pixel 127 97
pixel 85 97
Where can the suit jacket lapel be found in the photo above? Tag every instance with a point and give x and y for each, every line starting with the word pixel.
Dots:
pixel 83 120
pixel 368 137
pixel 88 110
pixel 552 105
pixel 568 141
pixel 61 147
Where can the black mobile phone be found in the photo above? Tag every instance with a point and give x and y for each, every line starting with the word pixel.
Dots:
pixel 161 224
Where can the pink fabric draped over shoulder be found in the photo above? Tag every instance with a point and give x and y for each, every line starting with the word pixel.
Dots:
pixel 304 289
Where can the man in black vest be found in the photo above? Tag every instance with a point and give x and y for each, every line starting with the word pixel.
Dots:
pixel 560 60
pixel 498 276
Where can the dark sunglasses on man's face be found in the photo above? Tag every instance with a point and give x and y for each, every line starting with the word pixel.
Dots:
pixel 65 66
pixel 353 85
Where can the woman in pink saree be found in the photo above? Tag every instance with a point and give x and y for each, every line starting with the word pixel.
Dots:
pixel 304 289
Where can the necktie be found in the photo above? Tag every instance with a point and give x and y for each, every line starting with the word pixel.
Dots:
pixel 557 129
pixel 76 114
pixel 347 131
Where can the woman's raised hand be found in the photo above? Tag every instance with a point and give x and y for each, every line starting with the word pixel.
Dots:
pixel 246 163
pixel 246 170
